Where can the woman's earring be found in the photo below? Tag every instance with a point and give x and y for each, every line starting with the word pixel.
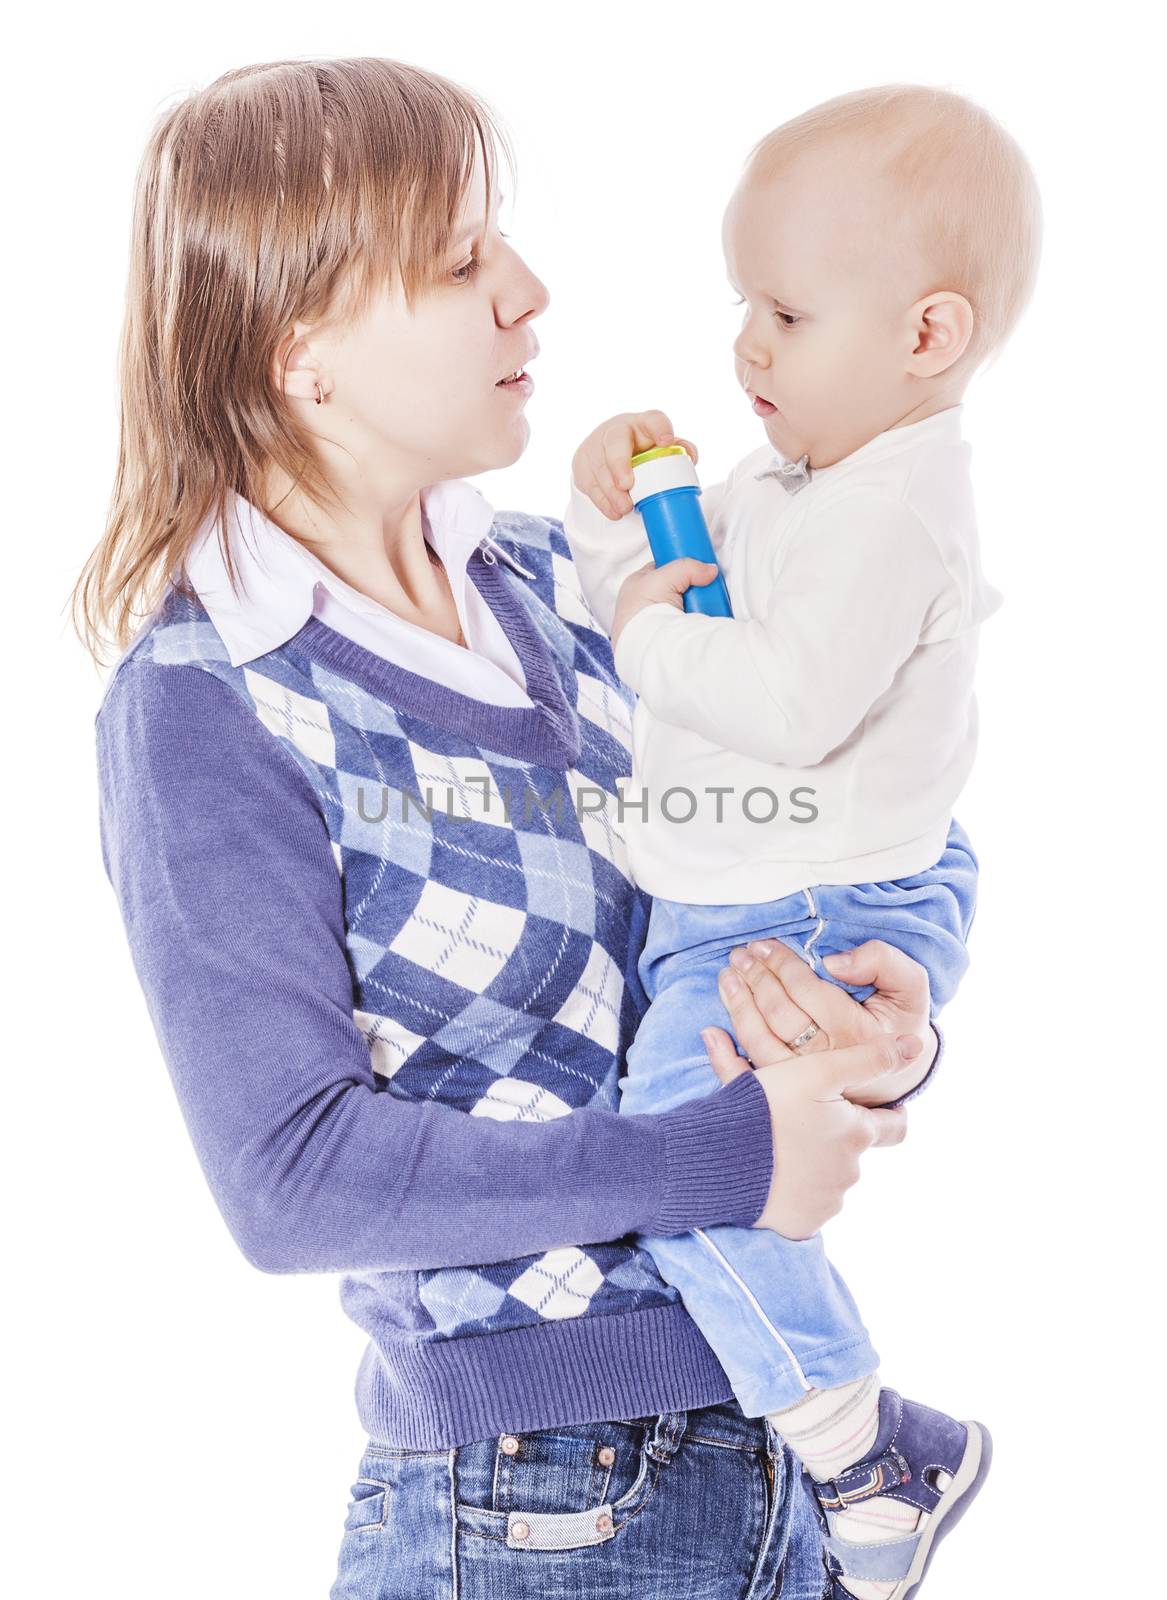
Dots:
pixel 319 395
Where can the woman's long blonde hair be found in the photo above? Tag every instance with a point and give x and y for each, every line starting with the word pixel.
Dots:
pixel 281 191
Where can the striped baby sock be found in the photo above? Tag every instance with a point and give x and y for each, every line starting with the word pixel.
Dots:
pixel 829 1430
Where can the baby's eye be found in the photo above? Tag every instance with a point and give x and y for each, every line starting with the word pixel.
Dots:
pixel 787 318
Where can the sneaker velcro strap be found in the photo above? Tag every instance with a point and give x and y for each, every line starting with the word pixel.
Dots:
pixel 863 1482
pixel 878 1563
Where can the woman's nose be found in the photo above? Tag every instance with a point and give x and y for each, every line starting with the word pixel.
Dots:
pixel 527 294
pixel 541 298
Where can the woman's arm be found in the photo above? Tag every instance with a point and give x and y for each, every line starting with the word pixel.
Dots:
pixel 217 849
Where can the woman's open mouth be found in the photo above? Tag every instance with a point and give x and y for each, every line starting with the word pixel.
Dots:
pixel 763 408
pixel 519 382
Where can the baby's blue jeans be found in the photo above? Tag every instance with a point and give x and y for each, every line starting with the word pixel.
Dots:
pixel 777 1315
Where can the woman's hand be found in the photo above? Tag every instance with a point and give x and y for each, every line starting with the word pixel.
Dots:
pixel 823 1121
pixel 602 466
pixel 786 997
pixel 818 1129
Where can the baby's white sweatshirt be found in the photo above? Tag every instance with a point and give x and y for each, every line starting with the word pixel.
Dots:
pixel 824 732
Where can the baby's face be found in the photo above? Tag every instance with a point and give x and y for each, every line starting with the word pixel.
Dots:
pixel 826 329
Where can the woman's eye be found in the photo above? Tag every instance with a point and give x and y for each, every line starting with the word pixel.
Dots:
pixel 469 268
pixel 740 301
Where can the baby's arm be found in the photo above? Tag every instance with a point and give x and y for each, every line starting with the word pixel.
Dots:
pixel 788 685
pixel 608 545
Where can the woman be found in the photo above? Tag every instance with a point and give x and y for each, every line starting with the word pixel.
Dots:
pixel 359 771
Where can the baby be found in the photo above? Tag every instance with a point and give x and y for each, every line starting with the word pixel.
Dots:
pixel 795 766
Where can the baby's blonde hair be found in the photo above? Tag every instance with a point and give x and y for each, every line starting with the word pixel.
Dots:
pixel 967 201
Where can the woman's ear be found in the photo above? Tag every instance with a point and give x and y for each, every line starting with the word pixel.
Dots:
pixel 941 325
pixel 304 370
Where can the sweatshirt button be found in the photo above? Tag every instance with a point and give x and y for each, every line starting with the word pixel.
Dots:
pixel 606 1455
pixel 520 1530
pixel 509 1444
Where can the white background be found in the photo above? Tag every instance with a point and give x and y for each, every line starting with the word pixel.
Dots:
pixel 175 1421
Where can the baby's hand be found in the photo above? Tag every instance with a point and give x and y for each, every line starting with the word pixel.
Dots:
pixel 601 467
pixel 650 584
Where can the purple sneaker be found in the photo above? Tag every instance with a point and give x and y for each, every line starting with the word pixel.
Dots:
pixel 913 1444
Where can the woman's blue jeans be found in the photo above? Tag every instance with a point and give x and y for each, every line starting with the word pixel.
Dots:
pixel 777 1315
pixel 704 1504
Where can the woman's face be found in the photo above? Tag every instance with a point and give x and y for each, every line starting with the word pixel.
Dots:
pixel 420 391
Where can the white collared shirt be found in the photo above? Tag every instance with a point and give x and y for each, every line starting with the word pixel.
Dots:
pixel 283 583
pixel 835 709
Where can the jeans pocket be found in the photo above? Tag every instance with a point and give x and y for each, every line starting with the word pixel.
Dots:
pixel 554 1488
pixel 367 1507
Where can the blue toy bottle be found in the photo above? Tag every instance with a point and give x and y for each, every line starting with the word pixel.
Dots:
pixel 666 493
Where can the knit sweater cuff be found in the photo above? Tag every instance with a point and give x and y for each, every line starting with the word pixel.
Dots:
pixel 719 1159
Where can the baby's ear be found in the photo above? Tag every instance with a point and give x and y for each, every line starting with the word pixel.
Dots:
pixel 941 325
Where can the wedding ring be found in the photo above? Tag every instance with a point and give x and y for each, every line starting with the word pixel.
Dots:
pixel 805 1036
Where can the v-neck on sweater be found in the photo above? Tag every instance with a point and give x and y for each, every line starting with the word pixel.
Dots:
pixel 281 580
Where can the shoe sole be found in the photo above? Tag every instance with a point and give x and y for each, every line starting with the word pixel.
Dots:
pixel 961 1492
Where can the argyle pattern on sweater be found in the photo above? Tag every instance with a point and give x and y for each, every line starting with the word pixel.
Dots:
pixel 492 941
